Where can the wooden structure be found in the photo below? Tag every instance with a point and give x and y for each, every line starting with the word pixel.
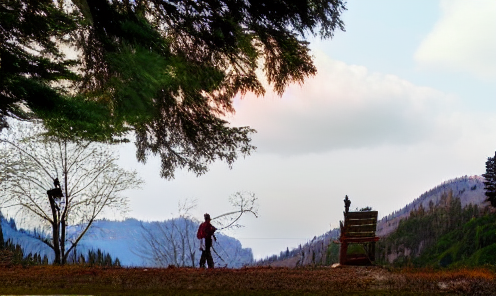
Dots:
pixel 358 228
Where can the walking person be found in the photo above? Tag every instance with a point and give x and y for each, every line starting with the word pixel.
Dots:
pixel 205 233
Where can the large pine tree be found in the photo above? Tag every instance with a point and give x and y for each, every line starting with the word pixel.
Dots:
pixel 490 182
pixel 168 70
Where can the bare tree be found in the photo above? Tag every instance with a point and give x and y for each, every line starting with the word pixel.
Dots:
pixel 174 242
pixel 171 242
pixel 90 182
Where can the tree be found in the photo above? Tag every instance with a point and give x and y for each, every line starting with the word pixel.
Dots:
pixel 490 182
pixel 169 70
pixel 90 183
pixel 36 78
pixel 29 57
pixel 171 242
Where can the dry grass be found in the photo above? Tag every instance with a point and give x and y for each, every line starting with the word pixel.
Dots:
pixel 246 281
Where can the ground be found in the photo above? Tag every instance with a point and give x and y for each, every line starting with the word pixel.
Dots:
pixel 351 280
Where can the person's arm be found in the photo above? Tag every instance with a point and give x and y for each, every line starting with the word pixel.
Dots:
pixel 213 231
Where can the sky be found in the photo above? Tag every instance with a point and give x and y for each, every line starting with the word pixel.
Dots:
pixel 403 100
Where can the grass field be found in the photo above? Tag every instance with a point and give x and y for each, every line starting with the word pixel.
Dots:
pixel 350 280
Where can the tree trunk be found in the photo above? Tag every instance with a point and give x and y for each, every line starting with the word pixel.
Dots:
pixel 55 230
pixel 62 241
pixel 56 246
pixel 63 220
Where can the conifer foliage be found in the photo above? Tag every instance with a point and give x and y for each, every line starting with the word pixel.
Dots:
pixel 167 70
pixel 490 182
pixel 30 58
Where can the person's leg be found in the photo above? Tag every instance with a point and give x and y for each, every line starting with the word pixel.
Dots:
pixel 210 260
pixel 203 258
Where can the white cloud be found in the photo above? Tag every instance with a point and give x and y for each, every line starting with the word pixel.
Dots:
pixel 345 106
pixel 464 39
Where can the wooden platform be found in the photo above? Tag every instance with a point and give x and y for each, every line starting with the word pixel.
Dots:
pixel 358 228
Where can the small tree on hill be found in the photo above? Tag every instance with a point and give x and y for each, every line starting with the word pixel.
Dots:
pixel 490 182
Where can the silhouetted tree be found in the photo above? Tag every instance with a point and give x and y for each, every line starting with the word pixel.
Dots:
pixel 490 182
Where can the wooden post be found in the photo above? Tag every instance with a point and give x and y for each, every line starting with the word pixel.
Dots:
pixel 343 249
pixel 372 251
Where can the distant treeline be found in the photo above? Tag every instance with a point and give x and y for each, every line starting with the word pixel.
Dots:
pixel 13 254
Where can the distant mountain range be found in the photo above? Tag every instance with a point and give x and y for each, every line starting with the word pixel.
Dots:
pixel 125 240
pixel 469 189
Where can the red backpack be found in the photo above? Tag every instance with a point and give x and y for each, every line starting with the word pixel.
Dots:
pixel 202 231
pixel 205 230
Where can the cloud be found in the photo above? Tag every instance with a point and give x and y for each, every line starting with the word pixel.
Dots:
pixel 464 39
pixel 345 106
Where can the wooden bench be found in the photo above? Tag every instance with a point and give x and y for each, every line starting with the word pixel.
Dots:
pixel 358 228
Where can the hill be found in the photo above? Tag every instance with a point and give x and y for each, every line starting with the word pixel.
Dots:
pixel 445 235
pixel 468 190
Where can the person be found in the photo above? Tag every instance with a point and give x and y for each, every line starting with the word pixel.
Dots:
pixel 347 204
pixel 205 233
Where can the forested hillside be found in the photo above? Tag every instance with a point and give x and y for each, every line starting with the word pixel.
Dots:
pixel 442 235
pixel 417 227
pixel 469 189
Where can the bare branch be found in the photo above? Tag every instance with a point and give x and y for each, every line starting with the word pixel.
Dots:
pixel 244 202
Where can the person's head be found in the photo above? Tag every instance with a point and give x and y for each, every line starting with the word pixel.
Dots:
pixel 207 217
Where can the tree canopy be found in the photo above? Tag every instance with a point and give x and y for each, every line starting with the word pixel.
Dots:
pixel 166 70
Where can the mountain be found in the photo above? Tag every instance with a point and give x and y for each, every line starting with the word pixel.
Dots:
pixel 126 240
pixel 469 189
pixel 29 243
pixel 324 249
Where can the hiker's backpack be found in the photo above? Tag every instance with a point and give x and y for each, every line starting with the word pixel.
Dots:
pixel 205 230
pixel 202 231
